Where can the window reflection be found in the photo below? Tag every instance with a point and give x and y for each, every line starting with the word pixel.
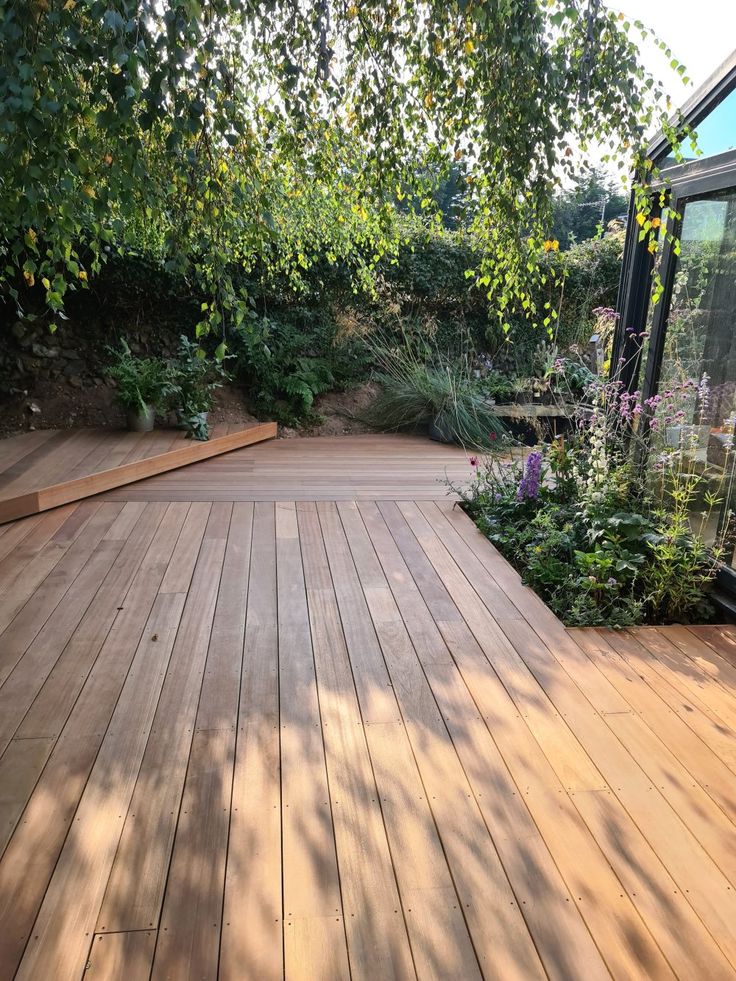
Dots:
pixel 715 134
pixel 700 340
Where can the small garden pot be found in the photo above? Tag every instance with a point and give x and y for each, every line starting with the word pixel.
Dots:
pixel 441 431
pixel 181 416
pixel 141 422
pixel 687 437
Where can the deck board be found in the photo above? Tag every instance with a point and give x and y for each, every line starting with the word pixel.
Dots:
pixel 252 935
pixel 315 942
pixel 339 738
pixel 379 944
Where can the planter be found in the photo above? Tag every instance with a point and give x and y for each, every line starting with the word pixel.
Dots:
pixel 688 437
pixel 141 422
pixel 181 416
pixel 692 441
pixel 441 431
pixel 530 396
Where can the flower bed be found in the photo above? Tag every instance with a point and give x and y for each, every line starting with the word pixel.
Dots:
pixel 602 537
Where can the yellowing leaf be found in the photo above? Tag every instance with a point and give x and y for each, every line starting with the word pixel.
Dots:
pixel 29 277
pixel 469 47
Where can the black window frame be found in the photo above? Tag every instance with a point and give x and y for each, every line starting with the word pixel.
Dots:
pixel 689 181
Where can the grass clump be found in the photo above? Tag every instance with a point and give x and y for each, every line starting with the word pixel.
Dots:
pixel 440 394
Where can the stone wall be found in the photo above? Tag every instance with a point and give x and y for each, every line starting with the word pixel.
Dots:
pixel 57 380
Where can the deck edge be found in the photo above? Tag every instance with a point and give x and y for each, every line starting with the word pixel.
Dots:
pixel 66 492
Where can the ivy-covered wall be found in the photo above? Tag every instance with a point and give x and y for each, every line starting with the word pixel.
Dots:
pixel 310 340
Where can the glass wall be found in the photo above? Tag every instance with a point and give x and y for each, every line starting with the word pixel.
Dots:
pixel 688 338
pixel 700 339
pixel 715 134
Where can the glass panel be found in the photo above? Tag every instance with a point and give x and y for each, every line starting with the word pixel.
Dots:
pixel 644 338
pixel 700 340
pixel 716 133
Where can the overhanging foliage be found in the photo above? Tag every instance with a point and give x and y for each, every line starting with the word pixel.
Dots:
pixel 229 132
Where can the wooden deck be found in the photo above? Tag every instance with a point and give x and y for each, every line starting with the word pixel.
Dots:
pixel 322 740
pixel 325 468
pixel 45 468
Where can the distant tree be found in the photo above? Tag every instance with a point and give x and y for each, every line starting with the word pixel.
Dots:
pixel 578 212
pixel 448 189
pixel 451 196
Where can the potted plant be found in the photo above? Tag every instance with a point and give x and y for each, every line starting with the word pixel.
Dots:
pixel 143 387
pixel 441 396
pixel 195 377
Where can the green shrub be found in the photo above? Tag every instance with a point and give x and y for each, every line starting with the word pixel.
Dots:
pixel 284 364
pixel 579 280
pixel 305 341
pixel 423 296
pixel 195 378
pixel 598 542
pixel 141 382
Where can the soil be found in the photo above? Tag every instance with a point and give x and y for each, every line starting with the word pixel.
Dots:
pixel 57 404
pixel 341 411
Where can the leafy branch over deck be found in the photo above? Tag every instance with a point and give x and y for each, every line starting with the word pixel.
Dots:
pixel 225 132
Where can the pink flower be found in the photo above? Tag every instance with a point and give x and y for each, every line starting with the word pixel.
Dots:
pixel 474 461
pixel 492 436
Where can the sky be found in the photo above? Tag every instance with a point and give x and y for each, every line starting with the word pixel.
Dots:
pixel 701 34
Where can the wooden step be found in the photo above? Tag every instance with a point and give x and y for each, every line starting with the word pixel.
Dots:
pixel 60 476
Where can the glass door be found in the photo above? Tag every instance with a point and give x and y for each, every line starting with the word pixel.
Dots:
pixel 697 340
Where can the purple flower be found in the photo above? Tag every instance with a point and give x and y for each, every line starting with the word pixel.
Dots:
pixel 529 485
pixel 473 461
pixel 606 313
